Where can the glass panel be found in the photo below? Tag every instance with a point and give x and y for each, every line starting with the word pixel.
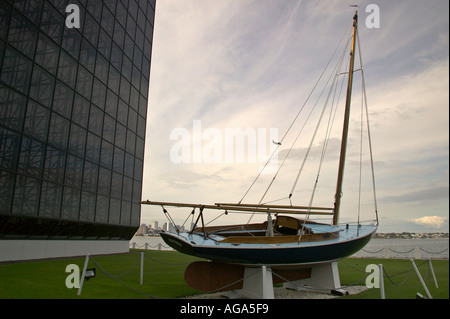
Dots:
pixel 54 165
pixel 9 149
pixel 87 206
pixel 74 171
pixel 77 140
pixel 47 54
pixel 71 203
pixel 26 196
pixel 87 55
pixel 132 9
pixel 116 185
pixel 59 131
pixel 128 46
pixel 80 112
pixel 42 84
pixel 96 120
pixel 131 142
pixel 114 211
pixel 90 176
pixel 109 128
pixel 139 147
pixel 129 165
pixel 137 187
pixel 138 169
pixel 119 34
pixel 6 190
pixel 111 103
pixel 93 148
pixel 122 112
pixel 131 26
pixel 22 34
pixel 98 94
pixel 141 19
pixel 125 89
pixel 51 195
pixel 12 108
pixel 134 98
pixel 135 214
pixel 107 20
pixel 136 77
pixel 5 14
pixel 91 29
pixel 63 99
pixel 36 121
pixel 125 213
pixel 137 57
pixel 52 22
pixel 114 80
pixel 132 119
pixel 84 82
pixel 141 127
pixel 119 158
pixel 16 70
pixel 67 69
pixel 143 106
pixel 106 156
pixel 127 189
pixel 127 67
pixel 71 41
pixel 95 8
pixel 31 158
pixel 144 85
pixel 104 181
pixel 116 56
pixel 101 215
pixel 121 133
pixel 104 44
pixel 121 13
pixel 101 68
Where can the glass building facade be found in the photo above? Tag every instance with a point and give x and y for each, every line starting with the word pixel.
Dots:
pixel 73 108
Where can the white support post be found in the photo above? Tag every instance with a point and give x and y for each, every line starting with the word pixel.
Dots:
pixel 432 272
pixel 83 274
pixel 257 283
pixel 323 276
pixel 142 269
pixel 421 279
pixel 382 292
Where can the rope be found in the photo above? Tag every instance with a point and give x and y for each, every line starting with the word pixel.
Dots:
pixel 105 272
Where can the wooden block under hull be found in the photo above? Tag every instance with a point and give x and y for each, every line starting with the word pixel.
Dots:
pixel 214 277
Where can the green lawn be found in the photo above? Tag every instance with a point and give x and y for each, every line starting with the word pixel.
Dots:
pixel 164 277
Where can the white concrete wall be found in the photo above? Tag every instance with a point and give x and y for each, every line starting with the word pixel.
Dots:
pixel 15 250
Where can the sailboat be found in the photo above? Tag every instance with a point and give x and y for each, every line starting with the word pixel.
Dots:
pixel 284 239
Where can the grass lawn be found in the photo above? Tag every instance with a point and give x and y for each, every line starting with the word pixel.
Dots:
pixel 164 277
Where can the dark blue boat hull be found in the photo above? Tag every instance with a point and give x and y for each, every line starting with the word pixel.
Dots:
pixel 269 255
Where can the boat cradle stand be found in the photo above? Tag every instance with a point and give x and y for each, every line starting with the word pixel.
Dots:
pixel 256 281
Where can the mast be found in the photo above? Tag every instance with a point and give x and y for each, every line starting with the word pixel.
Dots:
pixel 337 196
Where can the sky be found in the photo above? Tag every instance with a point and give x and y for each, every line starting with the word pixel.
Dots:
pixel 230 68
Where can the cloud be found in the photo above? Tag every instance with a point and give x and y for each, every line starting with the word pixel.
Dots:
pixel 432 221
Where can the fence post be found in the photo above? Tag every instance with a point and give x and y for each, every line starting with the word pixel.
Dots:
pixel 386 252
pixel 432 272
pixel 86 261
pixel 421 279
pixel 382 293
pixel 417 253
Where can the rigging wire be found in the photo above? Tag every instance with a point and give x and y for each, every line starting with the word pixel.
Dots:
pixel 368 128
pixel 295 118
